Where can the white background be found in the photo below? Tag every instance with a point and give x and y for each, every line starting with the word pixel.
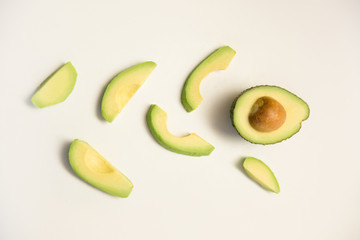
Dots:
pixel 308 47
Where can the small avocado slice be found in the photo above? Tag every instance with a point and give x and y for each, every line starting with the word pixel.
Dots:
pixel 268 114
pixel 218 60
pixel 96 170
pixel 56 88
pixel 190 144
pixel 261 174
pixel 123 87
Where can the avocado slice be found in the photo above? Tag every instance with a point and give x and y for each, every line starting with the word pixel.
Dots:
pixel 261 174
pixel 96 170
pixel 218 60
pixel 123 87
pixel 268 114
pixel 56 88
pixel 190 144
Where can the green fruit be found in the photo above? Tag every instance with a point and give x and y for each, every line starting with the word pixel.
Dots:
pixel 191 144
pixel 56 88
pixel 268 114
pixel 123 87
pixel 261 174
pixel 218 60
pixel 96 170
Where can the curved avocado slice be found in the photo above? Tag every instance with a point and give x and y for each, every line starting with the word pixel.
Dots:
pixel 191 144
pixel 96 170
pixel 261 173
pixel 218 60
pixel 123 87
pixel 295 108
pixel 56 88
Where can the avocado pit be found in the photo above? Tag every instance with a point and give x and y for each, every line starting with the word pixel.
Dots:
pixel 267 114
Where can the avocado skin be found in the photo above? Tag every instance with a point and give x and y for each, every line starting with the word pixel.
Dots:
pixel 184 102
pixel 233 107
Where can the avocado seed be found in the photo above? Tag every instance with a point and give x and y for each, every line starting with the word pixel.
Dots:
pixel 267 115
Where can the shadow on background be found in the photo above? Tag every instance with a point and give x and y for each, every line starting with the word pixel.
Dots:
pixel 239 166
pixel 98 105
pixel 220 116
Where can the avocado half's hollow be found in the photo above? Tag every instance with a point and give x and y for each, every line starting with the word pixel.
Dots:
pixel 296 110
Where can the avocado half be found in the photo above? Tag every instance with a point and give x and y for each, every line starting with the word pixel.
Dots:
pixel 296 111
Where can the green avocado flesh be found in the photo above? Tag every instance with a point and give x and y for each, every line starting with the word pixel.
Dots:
pixel 96 170
pixel 218 60
pixel 56 88
pixel 261 174
pixel 296 111
pixel 123 87
pixel 191 144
